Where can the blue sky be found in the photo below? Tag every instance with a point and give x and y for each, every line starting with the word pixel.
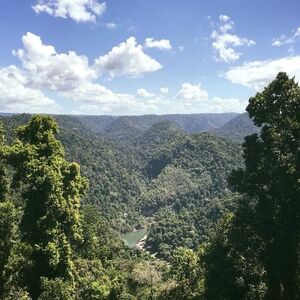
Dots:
pixel 143 56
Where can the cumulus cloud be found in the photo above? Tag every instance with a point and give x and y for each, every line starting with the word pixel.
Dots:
pixel 159 44
pixel 283 39
pixel 94 98
pixel 191 92
pixel 194 98
pixel 128 58
pixel 48 69
pixel 91 93
pixel 97 99
pixel 225 42
pixel 15 95
pixel 164 90
pixel 258 74
pixel 70 76
pixel 144 93
pixel 77 10
pixel 224 18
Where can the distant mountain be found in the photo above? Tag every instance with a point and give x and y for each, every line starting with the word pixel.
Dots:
pixel 237 128
pixel 6 114
pixel 125 127
pixel 96 123
pixel 158 134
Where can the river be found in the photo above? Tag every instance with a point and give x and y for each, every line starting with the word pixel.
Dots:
pixel 132 238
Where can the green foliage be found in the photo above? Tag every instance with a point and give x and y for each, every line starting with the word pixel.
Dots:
pixel 56 289
pixel 188 271
pixel 100 241
pixel 93 282
pixel 271 177
pixel 51 221
pixel 236 250
pixel 8 234
pixel 176 183
pixel 258 249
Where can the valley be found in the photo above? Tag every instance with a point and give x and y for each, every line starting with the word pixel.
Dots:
pixel 162 172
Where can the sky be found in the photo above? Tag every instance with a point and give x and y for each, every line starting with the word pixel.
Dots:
pixel 133 57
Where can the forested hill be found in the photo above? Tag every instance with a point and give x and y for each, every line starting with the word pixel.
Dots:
pixel 163 174
pixel 163 166
pixel 237 128
pixel 129 126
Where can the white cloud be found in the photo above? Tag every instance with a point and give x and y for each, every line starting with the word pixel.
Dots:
pixel 181 49
pixel 144 93
pixel 97 99
pixel 193 98
pixel 48 69
pixel 223 105
pixel 283 40
pixel 91 93
pixel 70 76
pixel 164 90
pixel 159 44
pixel 258 74
pixel 16 96
pixel 191 92
pixel 224 42
pixel 224 18
pixel 77 10
pixel 214 105
pixel 128 59
pixel 111 25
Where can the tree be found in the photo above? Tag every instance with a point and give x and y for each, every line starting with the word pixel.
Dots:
pixel 3 175
pixel 56 289
pixel 232 266
pixel 8 234
pixel 52 188
pixel 8 217
pixel 271 180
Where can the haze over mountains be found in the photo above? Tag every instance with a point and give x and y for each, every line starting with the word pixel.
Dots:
pixel 231 125
pixel 124 126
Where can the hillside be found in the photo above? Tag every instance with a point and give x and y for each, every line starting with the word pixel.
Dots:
pixel 187 192
pixel 125 127
pixel 237 128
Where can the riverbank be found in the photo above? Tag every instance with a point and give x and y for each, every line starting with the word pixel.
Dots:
pixel 141 244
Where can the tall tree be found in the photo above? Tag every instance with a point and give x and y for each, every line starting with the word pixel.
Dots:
pixel 8 216
pixel 52 188
pixel 271 179
pixel 232 263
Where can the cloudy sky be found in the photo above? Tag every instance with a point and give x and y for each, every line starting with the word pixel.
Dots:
pixel 143 56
